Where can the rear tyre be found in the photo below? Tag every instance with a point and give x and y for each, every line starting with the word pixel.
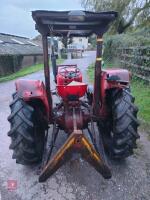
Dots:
pixel 27 132
pixel 121 140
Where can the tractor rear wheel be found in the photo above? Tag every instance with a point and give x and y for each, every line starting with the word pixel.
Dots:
pixel 27 132
pixel 121 140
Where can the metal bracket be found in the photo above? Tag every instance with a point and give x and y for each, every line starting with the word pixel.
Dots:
pixel 76 143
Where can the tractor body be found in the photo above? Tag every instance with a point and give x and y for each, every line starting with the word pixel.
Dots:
pixel 80 108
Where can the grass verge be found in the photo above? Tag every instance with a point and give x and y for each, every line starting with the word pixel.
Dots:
pixel 140 91
pixel 25 71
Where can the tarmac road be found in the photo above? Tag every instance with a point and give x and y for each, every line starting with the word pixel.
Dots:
pixel 130 181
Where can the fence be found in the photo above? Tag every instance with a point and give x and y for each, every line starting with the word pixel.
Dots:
pixel 137 60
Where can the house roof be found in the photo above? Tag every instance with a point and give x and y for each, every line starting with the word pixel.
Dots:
pixel 17 45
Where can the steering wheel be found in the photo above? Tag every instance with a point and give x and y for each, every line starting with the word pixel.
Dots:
pixel 68 73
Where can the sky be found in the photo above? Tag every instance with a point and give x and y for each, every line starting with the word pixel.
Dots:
pixel 16 19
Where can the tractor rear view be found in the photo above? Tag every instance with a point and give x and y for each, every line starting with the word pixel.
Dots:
pixel 106 112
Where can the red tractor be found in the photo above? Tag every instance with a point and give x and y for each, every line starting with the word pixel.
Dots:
pixel 106 112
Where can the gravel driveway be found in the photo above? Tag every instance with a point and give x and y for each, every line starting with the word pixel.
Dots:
pixel 130 181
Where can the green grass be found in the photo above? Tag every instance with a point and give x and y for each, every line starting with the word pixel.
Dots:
pixel 25 71
pixel 90 72
pixel 141 92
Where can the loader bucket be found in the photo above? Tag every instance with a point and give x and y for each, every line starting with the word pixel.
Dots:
pixel 76 143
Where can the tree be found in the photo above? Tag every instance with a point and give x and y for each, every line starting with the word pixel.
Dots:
pixel 128 11
pixel 92 41
pixel 143 19
pixel 66 41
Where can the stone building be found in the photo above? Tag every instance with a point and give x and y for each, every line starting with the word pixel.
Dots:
pixel 17 52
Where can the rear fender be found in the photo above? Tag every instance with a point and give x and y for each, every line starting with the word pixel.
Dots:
pixel 31 90
pixel 112 78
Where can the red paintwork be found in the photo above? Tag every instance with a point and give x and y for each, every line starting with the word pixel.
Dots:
pixel 66 119
pixel 77 90
pixel 124 76
pixel 65 89
pixel 64 77
pixel 71 89
pixel 33 90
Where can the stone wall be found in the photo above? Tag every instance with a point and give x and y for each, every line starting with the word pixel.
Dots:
pixel 31 60
pixel 12 63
